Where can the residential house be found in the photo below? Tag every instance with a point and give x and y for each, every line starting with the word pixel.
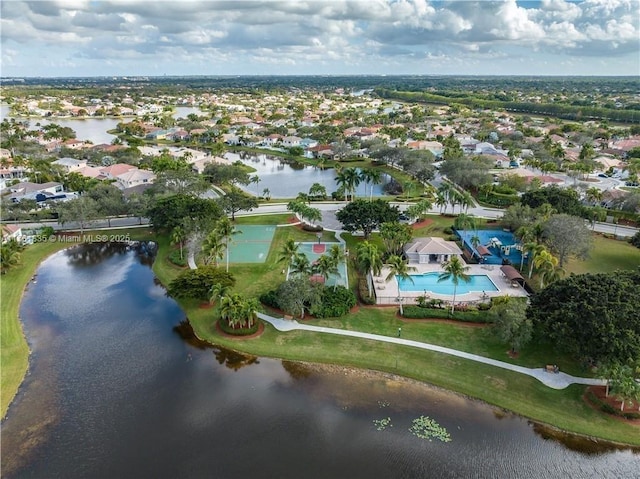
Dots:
pixel 35 191
pixel 113 171
pixel 70 164
pixel 291 141
pixel 134 177
pixel 11 232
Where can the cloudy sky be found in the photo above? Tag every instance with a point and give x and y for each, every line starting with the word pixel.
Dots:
pixel 236 37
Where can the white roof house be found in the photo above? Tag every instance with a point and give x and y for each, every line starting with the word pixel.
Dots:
pixel 70 164
pixel 134 177
pixel 431 250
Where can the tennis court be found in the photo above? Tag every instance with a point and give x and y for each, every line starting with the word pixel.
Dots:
pixel 313 251
pixel 251 244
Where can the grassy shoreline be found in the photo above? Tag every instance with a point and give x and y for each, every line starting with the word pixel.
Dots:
pixel 564 409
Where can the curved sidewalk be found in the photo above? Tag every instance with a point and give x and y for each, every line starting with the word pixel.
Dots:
pixel 552 380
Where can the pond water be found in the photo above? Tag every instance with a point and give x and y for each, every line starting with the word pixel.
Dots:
pixel 118 387
pixel 286 179
pixel 92 129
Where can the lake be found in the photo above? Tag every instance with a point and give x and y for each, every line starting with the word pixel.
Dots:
pixel 92 129
pixel 286 179
pixel 119 388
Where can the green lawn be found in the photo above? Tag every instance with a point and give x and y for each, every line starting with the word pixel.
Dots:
pixel 606 256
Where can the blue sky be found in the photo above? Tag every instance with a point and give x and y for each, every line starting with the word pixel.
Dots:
pixel 265 37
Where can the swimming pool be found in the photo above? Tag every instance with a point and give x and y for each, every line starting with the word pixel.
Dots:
pixel 429 282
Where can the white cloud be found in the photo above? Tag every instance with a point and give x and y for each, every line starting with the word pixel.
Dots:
pixel 301 32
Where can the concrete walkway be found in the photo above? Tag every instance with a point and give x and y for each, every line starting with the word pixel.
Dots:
pixel 552 380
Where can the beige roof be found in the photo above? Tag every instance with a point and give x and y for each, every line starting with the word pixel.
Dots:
pixel 432 246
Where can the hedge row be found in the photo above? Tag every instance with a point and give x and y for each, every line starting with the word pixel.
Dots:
pixel 417 312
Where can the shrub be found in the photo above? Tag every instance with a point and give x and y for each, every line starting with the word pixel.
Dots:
pixel 635 240
pixel 174 257
pixel 312 228
pixel 448 231
pixel 197 283
pixel 484 306
pixel 609 409
pixel 335 302
pixel 270 298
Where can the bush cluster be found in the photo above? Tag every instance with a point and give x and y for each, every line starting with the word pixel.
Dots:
pixel 197 283
pixel 270 298
pixel 174 258
pixel 334 302
pixel 635 240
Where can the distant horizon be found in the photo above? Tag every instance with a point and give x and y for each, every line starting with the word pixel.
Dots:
pixel 329 75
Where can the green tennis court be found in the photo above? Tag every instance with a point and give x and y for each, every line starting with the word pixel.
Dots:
pixel 251 244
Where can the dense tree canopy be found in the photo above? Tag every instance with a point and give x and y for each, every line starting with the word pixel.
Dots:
pixel 593 316
pixel 366 216
pixel 171 211
pixel 563 200
pixel 197 283
pixel 567 236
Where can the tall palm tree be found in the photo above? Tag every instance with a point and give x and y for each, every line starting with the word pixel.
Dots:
pixel 226 230
pixel 399 268
pixel 371 177
pixel 547 265
pixel 464 221
pixel 288 251
pixel 534 249
pixel 178 236
pixel 594 195
pixel 352 180
pixel 454 270
pixel 441 201
pixel 213 248
pixel 369 261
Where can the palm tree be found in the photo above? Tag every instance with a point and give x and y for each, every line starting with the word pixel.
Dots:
pixel 454 270
pixel 594 195
pixel 371 177
pixel 231 309
pixel 547 265
pixel 249 310
pixel 255 179
pixel 178 236
pixel 288 252
pixel 398 267
pixel 217 291
pixel 300 265
pixel 369 261
pixel 325 266
pixel 464 221
pixel 212 247
pixel 475 242
pixel 352 178
pixel 225 231
pixel 266 193
pixel 441 201
pixel 534 249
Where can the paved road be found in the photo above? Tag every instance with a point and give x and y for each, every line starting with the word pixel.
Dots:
pixel 553 380
pixel 332 207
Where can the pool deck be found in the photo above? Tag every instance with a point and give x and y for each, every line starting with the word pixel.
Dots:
pixel 387 291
